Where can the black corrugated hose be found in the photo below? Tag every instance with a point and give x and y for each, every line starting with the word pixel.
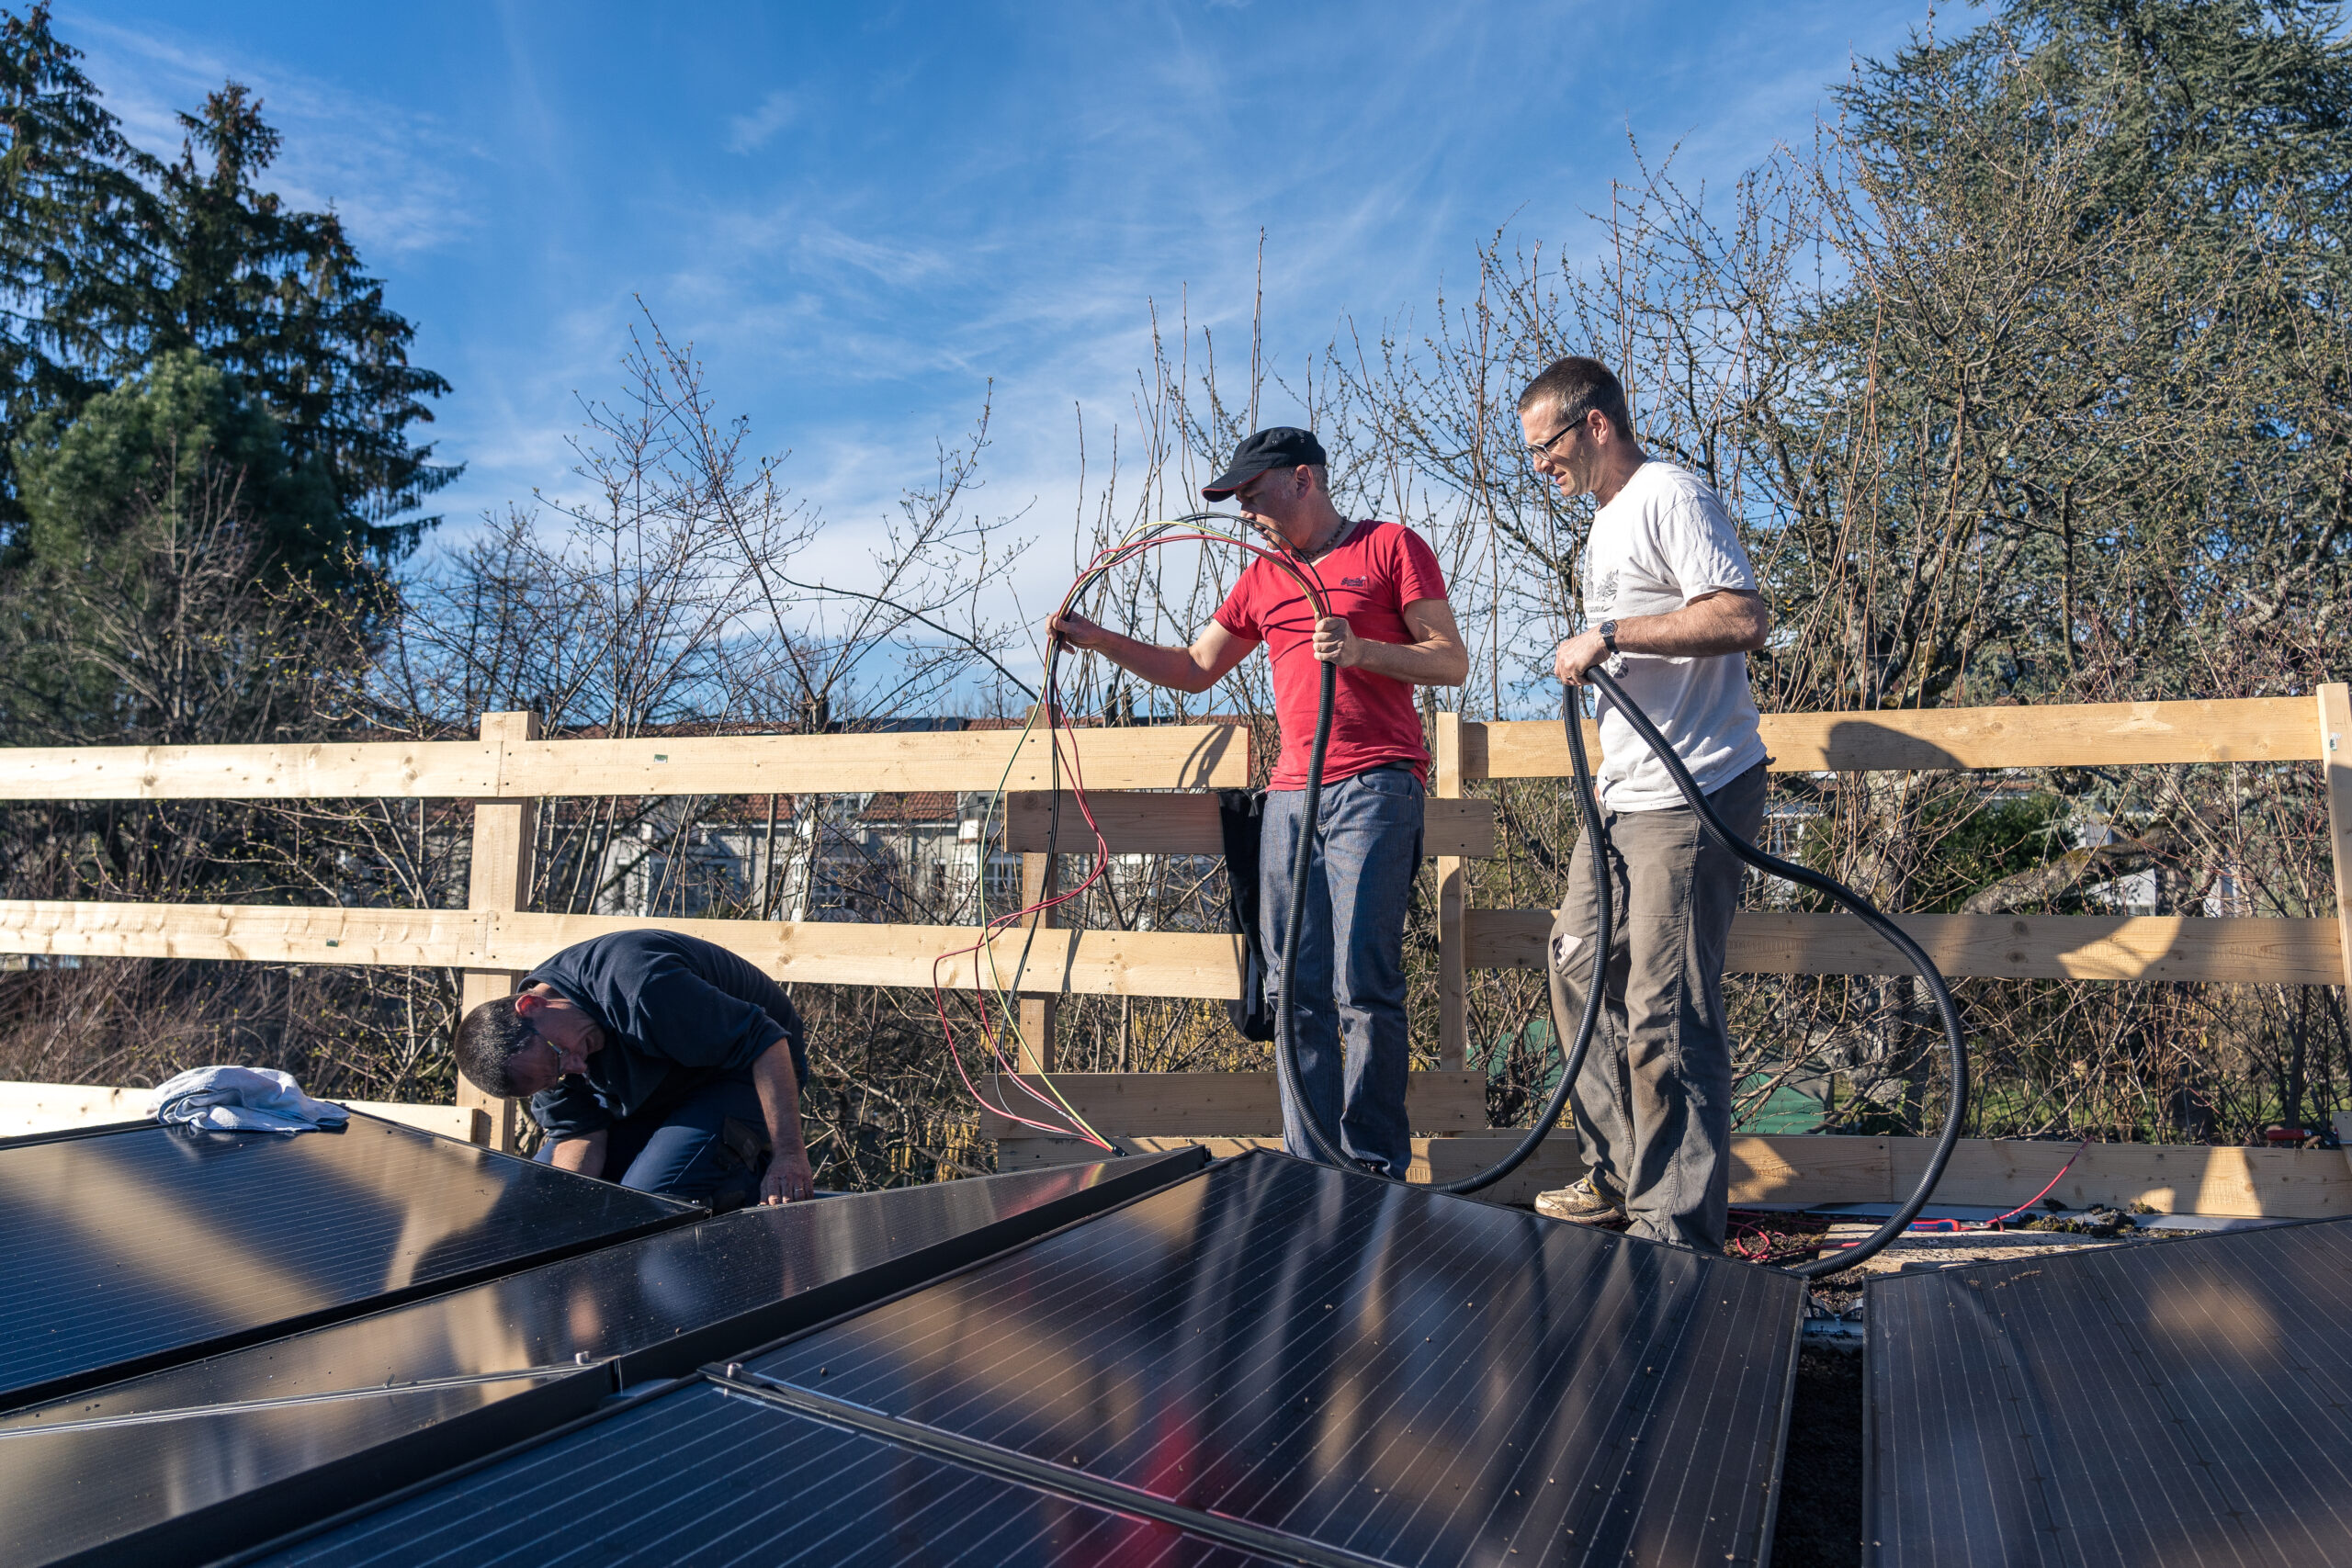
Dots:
pixel 1588 807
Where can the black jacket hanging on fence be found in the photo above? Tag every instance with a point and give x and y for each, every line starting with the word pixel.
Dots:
pixel 1241 813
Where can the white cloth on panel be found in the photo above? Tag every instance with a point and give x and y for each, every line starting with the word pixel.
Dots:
pixel 244 1100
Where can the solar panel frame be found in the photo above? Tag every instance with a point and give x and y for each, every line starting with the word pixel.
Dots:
pixel 807 1361
pixel 590 1214
pixel 460 1518
pixel 2163 1402
pixel 893 1240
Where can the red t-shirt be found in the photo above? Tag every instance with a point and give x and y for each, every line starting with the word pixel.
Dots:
pixel 1368 579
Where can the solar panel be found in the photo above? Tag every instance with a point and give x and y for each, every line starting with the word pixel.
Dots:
pixel 2170 1403
pixel 1411 1377
pixel 134 1247
pixel 195 1460
pixel 699 1475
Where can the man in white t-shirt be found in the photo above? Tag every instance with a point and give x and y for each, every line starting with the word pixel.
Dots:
pixel 1671 605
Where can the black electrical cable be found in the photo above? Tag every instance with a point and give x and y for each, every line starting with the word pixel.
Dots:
pixel 1589 810
pixel 1286 1047
pixel 1955 1036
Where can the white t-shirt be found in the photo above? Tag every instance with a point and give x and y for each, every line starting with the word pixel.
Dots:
pixel 1661 542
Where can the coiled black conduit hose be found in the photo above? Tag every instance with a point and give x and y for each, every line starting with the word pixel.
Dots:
pixel 1286 1047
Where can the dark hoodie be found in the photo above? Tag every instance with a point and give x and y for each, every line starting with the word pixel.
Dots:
pixel 678 1012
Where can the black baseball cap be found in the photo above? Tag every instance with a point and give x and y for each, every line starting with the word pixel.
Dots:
pixel 1279 447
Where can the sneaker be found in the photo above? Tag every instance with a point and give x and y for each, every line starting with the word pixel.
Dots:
pixel 1585 1203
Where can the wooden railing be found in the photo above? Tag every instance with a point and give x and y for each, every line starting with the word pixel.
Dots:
pixel 2039 947
pixel 510 768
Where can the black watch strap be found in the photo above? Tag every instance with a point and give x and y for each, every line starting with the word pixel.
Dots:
pixel 1609 635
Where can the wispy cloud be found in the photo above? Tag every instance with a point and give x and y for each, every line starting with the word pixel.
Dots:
pixel 397 176
pixel 749 133
pixel 951 201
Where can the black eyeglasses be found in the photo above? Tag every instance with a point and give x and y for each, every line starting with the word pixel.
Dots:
pixel 1543 448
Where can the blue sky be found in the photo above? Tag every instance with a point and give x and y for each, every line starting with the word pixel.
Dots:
pixel 863 214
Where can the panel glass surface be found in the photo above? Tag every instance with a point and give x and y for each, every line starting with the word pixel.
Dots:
pixel 700 1476
pixel 636 1299
pixel 2170 1403
pixel 121 1247
pixel 1416 1378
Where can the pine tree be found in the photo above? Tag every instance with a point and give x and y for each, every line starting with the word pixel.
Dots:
pixel 278 299
pixel 67 203
pixel 111 257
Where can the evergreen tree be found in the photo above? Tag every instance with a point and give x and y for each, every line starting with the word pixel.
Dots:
pixel 111 257
pixel 66 204
pixel 280 300
pixel 166 528
pixel 2100 289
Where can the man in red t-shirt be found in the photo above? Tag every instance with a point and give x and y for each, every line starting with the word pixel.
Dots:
pixel 1390 630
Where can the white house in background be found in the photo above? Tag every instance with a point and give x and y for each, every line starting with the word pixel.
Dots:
pixel 915 859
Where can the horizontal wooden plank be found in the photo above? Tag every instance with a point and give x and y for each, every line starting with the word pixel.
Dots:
pixel 263 932
pixel 467 1124
pixel 2025 947
pixel 1822 1168
pixel 1145 964
pixel 1223 1104
pixel 53 1107
pixel 2003 1173
pixel 452 769
pixel 2246 730
pixel 1556 1163
pixel 2174 1179
pixel 1106 964
pixel 1148 757
pixel 1136 822
pixel 1157 963
pixel 1196 756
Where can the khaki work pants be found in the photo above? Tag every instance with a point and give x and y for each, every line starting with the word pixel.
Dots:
pixel 1653 1103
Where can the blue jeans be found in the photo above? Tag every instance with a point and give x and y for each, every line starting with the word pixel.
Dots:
pixel 680 1150
pixel 1349 1016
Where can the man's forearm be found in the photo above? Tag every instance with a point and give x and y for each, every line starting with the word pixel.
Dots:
pixel 1172 667
pixel 1417 663
pixel 1704 628
pixel 779 1086
pixel 585 1156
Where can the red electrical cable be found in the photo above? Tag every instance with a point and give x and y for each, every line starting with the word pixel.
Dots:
pixel 1988 1224
pixel 1310 583
pixel 2054 1181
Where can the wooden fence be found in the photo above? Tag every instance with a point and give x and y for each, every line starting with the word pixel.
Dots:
pixel 511 768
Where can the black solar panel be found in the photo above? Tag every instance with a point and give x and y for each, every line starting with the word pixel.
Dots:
pixel 2171 1402
pixel 114 1466
pixel 701 1476
pixel 130 1249
pixel 1414 1377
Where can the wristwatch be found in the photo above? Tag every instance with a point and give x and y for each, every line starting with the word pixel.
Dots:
pixel 1609 637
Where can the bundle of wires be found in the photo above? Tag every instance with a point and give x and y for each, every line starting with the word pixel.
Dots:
pixel 1000 1029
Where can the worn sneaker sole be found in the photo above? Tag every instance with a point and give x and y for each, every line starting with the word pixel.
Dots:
pixel 1609 1215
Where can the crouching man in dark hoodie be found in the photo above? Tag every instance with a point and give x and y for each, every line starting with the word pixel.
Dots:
pixel 663 1062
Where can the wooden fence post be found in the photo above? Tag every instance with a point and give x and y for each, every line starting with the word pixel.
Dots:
pixel 2335 769
pixel 504 837
pixel 1452 968
pixel 1038 883
pixel 1036 1052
